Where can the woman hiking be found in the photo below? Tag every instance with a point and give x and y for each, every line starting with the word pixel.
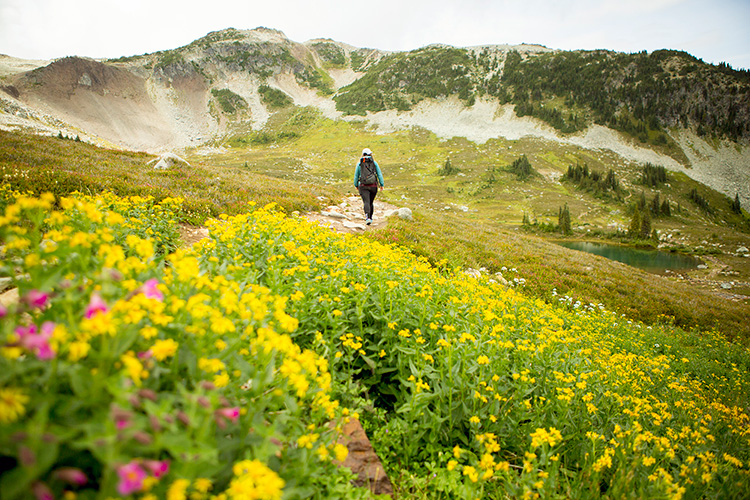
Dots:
pixel 367 176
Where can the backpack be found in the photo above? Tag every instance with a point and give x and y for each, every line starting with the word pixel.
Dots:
pixel 367 173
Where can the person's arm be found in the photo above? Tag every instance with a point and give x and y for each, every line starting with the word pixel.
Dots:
pixel 380 174
pixel 356 176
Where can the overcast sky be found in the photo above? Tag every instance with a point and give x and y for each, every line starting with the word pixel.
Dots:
pixel 713 30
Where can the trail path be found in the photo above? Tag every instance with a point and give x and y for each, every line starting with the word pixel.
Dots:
pixel 349 217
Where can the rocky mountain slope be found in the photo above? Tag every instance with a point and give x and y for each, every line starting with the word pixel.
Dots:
pixel 666 108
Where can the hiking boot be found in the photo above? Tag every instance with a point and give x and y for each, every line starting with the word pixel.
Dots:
pixel 368 221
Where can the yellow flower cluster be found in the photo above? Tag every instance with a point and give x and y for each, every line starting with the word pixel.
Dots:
pixel 254 481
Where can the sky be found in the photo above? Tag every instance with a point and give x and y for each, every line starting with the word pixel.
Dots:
pixel 713 30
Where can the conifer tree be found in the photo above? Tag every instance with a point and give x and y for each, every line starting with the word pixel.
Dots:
pixel 645 231
pixel 665 209
pixel 736 206
pixel 656 205
pixel 563 219
pixel 635 223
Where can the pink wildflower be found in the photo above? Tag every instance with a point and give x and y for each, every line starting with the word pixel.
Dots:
pixel 96 305
pixel 121 417
pixel 41 491
pixel 232 414
pixel 71 475
pixel 131 478
pixel 37 342
pixel 3 311
pixel 158 468
pixel 36 299
pixel 151 290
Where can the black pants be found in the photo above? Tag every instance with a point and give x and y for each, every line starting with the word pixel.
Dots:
pixel 368 194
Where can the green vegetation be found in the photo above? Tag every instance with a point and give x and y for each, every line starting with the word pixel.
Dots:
pixel 736 205
pixel 168 58
pixel 563 220
pixel 317 78
pixel 42 164
pixel 399 81
pixel 459 382
pixel 549 269
pixel 274 98
pixel 699 200
pixel 231 367
pixel 653 175
pixel 229 101
pixel 261 59
pixel 593 181
pixel 521 168
pixel 641 94
pixel 447 168
pixel 331 54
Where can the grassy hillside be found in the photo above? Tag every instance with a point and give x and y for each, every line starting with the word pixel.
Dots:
pixel 273 169
pixel 62 166
pixel 474 216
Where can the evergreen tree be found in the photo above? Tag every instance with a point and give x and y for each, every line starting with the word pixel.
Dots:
pixel 635 223
pixel 563 220
pixel 665 209
pixel 522 168
pixel 447 168
pixel 611 181
pixel 736 206
pixel 642 201
pixel 656 206
pixel 645 231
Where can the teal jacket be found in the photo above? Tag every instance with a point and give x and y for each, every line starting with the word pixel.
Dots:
pixel 377 170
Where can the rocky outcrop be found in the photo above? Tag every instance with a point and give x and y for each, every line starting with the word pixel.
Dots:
pixel 363 461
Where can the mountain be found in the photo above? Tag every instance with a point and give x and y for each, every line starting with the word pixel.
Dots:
pixel 665 107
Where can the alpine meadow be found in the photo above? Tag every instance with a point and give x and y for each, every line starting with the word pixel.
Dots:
pixel 192 307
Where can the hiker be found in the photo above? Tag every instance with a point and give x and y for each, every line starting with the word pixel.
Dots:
pixel 367 176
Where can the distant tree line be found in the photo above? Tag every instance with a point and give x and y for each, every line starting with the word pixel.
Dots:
pixel 653 175
pixel 591 180
pixel 699 200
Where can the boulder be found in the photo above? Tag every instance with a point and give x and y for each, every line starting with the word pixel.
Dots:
pixel 352 225
pixel 167 160
pixel 405 213
pixel 742 250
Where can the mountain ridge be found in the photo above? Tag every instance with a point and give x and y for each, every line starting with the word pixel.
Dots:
pixel 172 99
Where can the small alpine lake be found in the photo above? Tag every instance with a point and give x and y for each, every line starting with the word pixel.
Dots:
pixel 652 261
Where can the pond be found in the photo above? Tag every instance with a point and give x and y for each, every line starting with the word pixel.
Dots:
pixel 653 261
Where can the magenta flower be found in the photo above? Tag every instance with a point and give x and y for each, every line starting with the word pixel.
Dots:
pixel 3 311
pixel 96 305
pixel 151 290
pixel 41 491
pixel 36 299
pixel 37 342
pixel 131 478
pixel 71 475
pixel 121 417
pixel 158 468
pixel 231 414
